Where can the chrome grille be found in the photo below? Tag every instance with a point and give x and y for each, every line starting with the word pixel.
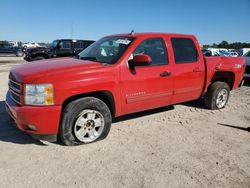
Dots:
pixel 15 91
pixel 15 86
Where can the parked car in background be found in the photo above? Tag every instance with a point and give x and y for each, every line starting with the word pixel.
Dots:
pixel 58 48
pixel 230 54
pixel 30 45
pixel 234 54
pixel 13 43
pixel 243 51
pixel 247 71
pixel 211 53
pixel 76 98
pixel 7 49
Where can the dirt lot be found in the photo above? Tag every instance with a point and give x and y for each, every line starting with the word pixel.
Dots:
pixel 183 145
pixel 10 59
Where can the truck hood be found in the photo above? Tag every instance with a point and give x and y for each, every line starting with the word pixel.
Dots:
pixel 28 72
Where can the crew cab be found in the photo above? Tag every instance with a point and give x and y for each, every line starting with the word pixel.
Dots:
pixel 75 99
pixel 58 48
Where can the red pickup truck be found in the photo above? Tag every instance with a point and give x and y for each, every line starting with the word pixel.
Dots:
pixel 76 98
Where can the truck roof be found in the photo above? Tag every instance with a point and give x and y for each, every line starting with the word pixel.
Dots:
pixel 144 34
pixel 74 39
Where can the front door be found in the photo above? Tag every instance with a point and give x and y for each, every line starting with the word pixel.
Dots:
pixel 149 86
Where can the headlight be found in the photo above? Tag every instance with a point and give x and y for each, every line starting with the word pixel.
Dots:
pixel 39 94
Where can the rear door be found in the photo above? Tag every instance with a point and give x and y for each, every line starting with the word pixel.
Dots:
pixel 189 70
pixel 149 86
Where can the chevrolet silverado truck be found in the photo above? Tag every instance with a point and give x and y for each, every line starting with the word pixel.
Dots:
pixel 75 99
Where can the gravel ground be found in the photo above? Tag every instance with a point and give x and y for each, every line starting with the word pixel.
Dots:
pixel 10 59
pixel 183 145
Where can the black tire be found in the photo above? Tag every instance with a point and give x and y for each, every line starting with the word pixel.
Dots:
pixel 38 58
pixel 212 95
pixel 72 111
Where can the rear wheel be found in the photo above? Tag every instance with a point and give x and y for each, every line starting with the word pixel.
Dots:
pixel 217 95
pixel 84 121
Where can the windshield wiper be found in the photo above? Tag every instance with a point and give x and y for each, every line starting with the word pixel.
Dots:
pixel 92 59
pixel 89 58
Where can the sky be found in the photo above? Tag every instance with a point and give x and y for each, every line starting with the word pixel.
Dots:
pixel 211 21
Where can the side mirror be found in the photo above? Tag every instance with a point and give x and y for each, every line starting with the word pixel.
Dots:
pixel 58 47
pixel 141 60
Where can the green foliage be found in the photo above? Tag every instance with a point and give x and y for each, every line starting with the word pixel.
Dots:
pixel 234 45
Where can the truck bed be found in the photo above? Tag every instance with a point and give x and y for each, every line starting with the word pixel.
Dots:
pixel 232 65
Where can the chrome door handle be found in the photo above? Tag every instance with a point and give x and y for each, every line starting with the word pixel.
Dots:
pixel 165 73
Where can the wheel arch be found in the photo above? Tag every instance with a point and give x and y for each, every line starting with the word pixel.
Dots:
pixel 104 95
pixel 224 76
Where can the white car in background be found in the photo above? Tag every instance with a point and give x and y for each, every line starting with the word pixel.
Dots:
pixel 13 43
pixel 243 51
pixel 206 52
pixel 31 45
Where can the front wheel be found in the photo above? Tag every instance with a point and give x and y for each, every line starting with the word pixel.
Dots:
pixel 217 95
pixel 84 121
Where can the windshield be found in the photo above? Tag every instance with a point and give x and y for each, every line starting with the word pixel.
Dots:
pixel 54 43
pixel 107 50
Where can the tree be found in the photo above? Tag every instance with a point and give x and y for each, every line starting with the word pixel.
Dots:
pixel 223 44
pixel 214 45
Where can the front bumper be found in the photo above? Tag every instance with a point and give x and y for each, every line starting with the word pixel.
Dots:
pixel 46 119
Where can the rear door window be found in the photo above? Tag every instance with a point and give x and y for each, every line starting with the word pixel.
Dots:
pixel 184 50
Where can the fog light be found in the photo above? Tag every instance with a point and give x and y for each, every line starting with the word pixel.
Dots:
pixel 32 127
